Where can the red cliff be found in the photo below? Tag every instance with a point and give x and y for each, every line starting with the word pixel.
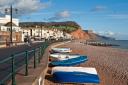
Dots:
pixel 80 34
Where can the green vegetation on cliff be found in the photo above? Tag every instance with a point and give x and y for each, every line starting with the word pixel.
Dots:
pixel 68 26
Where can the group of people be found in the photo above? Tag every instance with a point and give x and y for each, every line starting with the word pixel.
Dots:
pixel 27 40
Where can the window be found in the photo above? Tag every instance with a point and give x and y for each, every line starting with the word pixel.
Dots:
pixel 8 29
pixel 14 29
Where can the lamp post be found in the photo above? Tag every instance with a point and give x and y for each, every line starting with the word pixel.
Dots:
pixel 41 32
pixel 10 12
pixel 11 25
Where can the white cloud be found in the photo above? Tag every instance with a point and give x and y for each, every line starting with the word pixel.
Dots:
pixel 99 8
pixel 121 36
pixel 64 14
pixel 117 35
pixel 118 16
pixel 60 15
pixel 6 2
pixel 24 6
pixel 107 33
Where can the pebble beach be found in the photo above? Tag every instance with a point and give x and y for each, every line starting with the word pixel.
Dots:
pixel 111 63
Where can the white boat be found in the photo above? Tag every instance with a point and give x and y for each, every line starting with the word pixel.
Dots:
pixel 61 50
pixel 75 75
pixel 60 56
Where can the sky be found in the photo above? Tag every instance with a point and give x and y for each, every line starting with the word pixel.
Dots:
pixel 105 17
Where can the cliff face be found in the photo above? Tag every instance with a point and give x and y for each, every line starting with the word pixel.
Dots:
pixel 99 37
pixel 80 34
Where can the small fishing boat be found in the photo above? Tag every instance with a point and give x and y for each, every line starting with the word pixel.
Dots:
pixel 69 62
pixel 61 56
pixel 60 50
pixel 75 75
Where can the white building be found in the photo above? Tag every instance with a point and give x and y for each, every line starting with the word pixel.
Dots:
pixel 44 33
pixel 5 22
pixel 5 26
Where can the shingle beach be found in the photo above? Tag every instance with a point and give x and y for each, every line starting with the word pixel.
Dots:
pixel 110 63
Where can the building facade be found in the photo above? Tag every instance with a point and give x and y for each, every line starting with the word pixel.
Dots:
pixel 5 27
pixel 19 33
pixel 44 33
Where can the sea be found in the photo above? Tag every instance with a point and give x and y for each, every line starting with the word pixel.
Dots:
pixel 123 44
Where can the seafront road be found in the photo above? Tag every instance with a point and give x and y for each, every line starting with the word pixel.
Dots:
pixel 5 68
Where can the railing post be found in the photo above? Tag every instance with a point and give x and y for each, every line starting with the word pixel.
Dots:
pixel 34 58
pixel 26 62
pixel 13 70
pixel 46 44
pixel 39 56
pixel 42 50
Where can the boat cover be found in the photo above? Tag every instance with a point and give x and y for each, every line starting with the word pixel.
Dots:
pixel 60 56
pixel 61 50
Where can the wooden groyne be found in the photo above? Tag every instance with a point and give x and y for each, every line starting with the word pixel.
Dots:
pixel 97 43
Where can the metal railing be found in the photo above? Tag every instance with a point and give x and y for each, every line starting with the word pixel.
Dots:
pixel 36 54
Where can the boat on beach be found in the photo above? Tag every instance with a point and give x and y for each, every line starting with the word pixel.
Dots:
pixel 60 50
pixel 62 56
pixel 69 62
pixel 75 75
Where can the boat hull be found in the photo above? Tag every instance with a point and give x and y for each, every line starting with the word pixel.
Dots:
pixel 69 62
pixel 75 76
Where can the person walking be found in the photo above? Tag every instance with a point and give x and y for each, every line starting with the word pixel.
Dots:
pixel 29 41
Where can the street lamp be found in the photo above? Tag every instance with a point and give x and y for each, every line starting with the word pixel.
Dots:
pixel 41 31
pixel 10 12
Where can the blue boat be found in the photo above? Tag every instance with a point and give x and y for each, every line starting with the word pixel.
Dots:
pixel 69 62
pixel 75 75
